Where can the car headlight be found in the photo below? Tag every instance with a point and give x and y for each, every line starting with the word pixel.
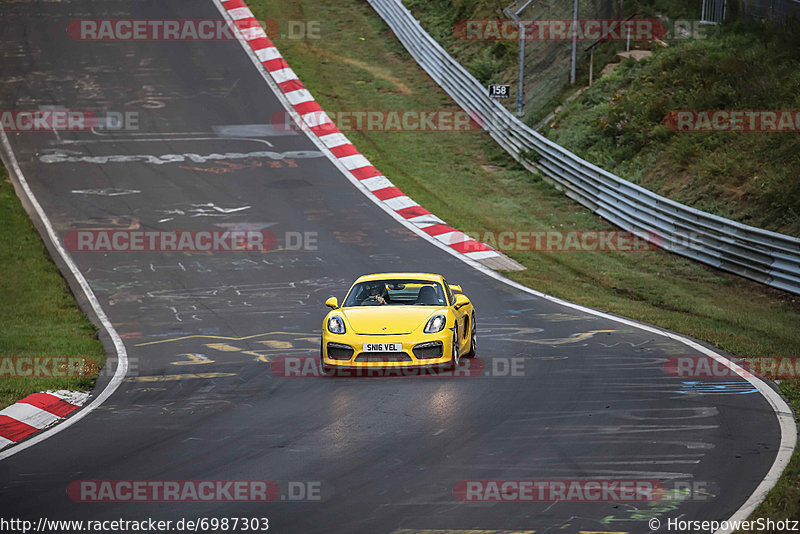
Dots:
pixel 435 324
pixel 336 325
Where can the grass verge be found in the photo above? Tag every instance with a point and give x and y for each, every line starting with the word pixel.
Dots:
pixel 39 317
pixel 618 124
pixel 356 64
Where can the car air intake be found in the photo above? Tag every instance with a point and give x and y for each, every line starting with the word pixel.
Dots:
pixel 428 351
pixel 383 357
pixel 337 351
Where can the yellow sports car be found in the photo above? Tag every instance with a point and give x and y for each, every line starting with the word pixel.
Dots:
pixel 398 320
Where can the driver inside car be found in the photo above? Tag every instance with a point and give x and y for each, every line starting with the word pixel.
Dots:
pixel 377 293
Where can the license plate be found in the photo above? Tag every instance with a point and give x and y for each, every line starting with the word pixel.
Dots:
pixel 382 347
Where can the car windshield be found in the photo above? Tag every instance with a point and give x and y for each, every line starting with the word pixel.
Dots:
pixel 396 292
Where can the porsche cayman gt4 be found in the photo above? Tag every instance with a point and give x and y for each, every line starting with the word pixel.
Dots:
pixel 398 320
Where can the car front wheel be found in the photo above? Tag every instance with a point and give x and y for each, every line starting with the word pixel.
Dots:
pixel 324 369
pixel 473 338
pixel 455 357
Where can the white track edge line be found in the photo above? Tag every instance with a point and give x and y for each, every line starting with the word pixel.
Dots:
pixel 782 410
pixel 122 355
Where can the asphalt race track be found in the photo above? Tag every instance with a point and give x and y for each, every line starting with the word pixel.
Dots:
pixel 588 398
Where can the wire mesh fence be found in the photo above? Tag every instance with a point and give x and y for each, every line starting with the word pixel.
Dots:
pixel 548 62
pixel 776 10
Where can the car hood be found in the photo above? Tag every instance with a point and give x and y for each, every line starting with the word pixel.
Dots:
pixel 388 319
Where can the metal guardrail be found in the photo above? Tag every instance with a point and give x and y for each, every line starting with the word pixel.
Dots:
pixel 767 257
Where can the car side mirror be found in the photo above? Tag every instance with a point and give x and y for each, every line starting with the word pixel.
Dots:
pixel 461 300
pixel 455 287
pixel 332 302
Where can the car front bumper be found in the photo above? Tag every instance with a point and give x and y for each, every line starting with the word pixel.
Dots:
pixel 335 355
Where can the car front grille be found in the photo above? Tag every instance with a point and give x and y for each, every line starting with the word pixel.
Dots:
pixel 383 357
